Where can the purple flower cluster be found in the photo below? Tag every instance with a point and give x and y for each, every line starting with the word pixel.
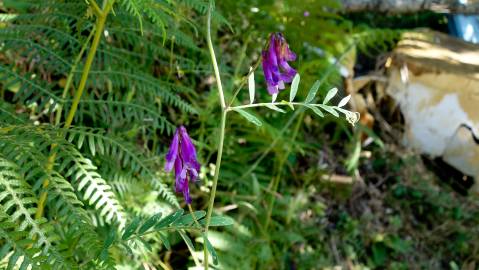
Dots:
pixel 276 69
pixel 182 156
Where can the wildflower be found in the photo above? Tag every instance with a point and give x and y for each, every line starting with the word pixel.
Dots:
pixel 275 59
pixel 182 156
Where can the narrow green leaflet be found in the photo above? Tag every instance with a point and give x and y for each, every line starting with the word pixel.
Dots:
pixel 329 109
pixel 111 237
pixel 294 87
pixel 169 219
pixel 249 117
pixel 344 101
pixel 211 249
pixel 131 228
pixel 91 144
pixel 218 221
pixel 188 241
pixel 316 110
pixel 275 108
pixel 145 244
pixel 251 86
pixel 188 219
pixel 150 222
pixel 331 93
pixel 80 141
pixel 164 239
pixel 273 97
pixel 312 92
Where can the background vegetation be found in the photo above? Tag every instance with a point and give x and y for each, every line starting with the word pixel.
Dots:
pixel 108 198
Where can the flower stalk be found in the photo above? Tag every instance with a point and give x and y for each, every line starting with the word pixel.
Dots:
pixel 224 111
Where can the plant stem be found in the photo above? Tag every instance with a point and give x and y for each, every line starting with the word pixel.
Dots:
pixel 264 104
pixel 215 182
pixel 100 24
pixel 213 57
pixel 96 8
pixel 193 215
pixel 70 77
pixel 224 111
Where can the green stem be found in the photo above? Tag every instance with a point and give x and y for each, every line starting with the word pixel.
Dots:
pixel 96 8
pixel 215 183
pixel 213 57
pixel 70 77
pixel 224 111
pixel 172 45
pixel 100 24
pixel 265 104
pixel 195 259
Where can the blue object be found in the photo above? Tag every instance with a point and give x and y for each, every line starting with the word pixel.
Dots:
pixel 465 27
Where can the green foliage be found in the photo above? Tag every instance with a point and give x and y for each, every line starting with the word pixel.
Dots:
pixel 98 176
pixel 19 204
pixel 109 205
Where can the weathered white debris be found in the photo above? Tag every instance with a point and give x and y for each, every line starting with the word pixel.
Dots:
pixel 434 79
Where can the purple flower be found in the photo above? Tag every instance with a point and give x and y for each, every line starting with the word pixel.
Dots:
pixel 275 58
pixel 182 156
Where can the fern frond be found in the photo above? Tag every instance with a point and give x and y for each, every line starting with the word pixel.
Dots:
pixel 17 247
pixel 20 203
pixel 122 113
pixel 123 182
pixel 125 153
pixel 85 179
pixel 9 116
pixel 62 202
pixel 95 189
pixel 146 84
pixel 202 7
pixel 32 90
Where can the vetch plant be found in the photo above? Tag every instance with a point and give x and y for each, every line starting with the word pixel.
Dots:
pixel 277 73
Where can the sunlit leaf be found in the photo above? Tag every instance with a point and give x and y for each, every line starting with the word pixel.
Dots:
pixel 316 110
pixel 344 101
pixel 273 97
pixel 329 109
pixel 249 117
pixel 251 86
pixel 294 87
pixel 331 93
pixel 275 108
pixel 312 92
